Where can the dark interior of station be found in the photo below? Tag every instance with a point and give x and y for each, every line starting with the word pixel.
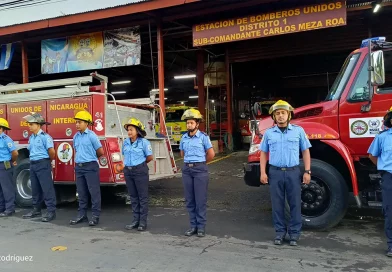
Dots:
pixel 302 77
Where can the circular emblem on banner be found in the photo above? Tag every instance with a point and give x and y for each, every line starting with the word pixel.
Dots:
pixel 68 132
pixel 25 134
pixel 64 152
pixel 359 127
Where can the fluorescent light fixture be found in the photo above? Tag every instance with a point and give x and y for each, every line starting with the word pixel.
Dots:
pixel 376 8
pixel 71 86
pixel 121 82
pixel 185 76
pixel 212 101
pixel 119 92
pixel 166 89
pixel 194 96
pixel 158 98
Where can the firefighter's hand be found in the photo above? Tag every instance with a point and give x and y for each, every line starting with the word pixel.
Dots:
pixel 306 178
pixel 14 163
pixel 264 178
pixel 53 163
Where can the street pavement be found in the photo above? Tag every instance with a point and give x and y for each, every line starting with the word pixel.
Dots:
pixel 239 235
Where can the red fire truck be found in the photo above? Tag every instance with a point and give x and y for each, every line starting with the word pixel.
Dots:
pixel 340 130
pixel 58 101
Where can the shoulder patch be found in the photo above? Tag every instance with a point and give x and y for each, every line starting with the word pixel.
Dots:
pixel 9 145
pixel 149 147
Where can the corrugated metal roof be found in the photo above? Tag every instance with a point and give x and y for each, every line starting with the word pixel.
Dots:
pixel 32 11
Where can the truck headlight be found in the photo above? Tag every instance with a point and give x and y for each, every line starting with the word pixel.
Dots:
pixel 254 148
pixel 116 157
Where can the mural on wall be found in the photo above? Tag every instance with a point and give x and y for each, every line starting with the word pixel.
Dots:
pixel 122 47
pixel 115 48
pixel 54 55
pixel 85 52
pixel 6 54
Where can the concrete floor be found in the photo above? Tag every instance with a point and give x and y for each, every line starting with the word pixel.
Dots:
pixel 239 233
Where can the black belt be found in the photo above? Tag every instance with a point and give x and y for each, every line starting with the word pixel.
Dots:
pixel 38 161
pixel 284 168
pixel 85 163
pixel 136 166
pixel 193 164
pixel 3 161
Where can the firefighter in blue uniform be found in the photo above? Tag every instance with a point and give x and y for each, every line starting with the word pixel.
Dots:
pixel 137 153
pixel 380 153
pixel 42 154
pixel 88 149
pixel 196 149
pixel 8 157
pixel 284 142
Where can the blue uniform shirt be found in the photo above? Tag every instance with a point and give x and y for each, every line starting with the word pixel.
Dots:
pixel 284 147
pixel 6 147
pixel 136 153
pixel 195 147
pixel 381 147
pixel 39 145
pixel 86 145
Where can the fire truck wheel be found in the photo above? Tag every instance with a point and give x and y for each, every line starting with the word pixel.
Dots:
pixel 324 201
pixel 23 184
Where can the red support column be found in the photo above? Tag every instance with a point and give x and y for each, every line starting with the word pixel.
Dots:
pixel 25 64
pixel 229 98
pixel 161 77
pixel 200 87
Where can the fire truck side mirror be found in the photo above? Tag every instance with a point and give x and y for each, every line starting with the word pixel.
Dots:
pixel 378 73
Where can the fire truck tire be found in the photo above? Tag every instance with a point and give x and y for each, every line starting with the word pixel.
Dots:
pixel 21 178
pixel 325 200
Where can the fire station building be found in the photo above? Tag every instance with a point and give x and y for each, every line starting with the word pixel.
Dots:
pixel 220 56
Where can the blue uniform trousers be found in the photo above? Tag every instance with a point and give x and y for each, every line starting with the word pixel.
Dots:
pixel 42 186
pixel 286 185
pixel 137 178
pixel 7 190
pixel 87 181
pixel 195 180
pixel 386 186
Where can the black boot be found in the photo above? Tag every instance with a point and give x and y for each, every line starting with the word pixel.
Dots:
pixel 79 219
pixel 94 221
pixel 49 216
pixel 36 212
pixel 133 225
pixel 191 231
pixel 7 213
pixel 142 227
pixel 201 232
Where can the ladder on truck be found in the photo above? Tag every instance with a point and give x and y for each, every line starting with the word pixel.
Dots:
pixel 160 150
pixel 25 92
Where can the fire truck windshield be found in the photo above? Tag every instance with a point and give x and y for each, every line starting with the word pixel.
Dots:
pixel 174 116
pixel 342 78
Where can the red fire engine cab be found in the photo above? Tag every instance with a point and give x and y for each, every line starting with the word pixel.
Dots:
pixel 340 130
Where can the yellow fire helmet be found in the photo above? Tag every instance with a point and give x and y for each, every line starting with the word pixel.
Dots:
pixel 192 114
pixel 84 116
pixel 35 118
pixel 4 124
pixel 136 123
pixel 281 105
pixel 388 118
